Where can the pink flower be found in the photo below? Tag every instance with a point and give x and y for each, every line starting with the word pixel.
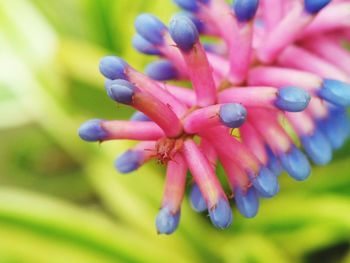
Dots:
pixel 277 60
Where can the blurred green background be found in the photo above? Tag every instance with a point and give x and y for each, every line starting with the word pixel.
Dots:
pixel 61 199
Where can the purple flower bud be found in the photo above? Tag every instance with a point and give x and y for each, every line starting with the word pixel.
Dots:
pixel 317 147
pixel 150 28
pixel 128 161
pixel 92 131
pixel 292 99
pixel 247 202
pixel 233 115
pixel 296 164
pixel 314 6
pixel 197 201
pixel 161 70
pixel 221 215
pixel 144 46
pixel 265 182
pixel 183 32
pixel 167 222
pixel 113 67
pixel 336 92
pixel 245 10
pixel 121 91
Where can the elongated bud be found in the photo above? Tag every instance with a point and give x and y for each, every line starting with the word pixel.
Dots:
pixel 336 92
pixel 245 10
pixel 183 32
pixel 113 67
pixel 265 182
pixel 144 46
pixel 92 131
pixel 166 221
pixel 150 28
pixel 161 70
pixel 128 161
pixel 101 130
pixel 197 201
pixel 296 164
pixel 232 115
pixel 317 147
pixel 221 214
pixel 247 202
pixel 292 99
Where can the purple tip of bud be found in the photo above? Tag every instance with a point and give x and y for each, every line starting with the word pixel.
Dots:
pixel 166 221
pixel 336 92
pixel 273 164
pixel 196 199
pixel 161 70
pixel 292 99
pixel 221 215
pixel 247 202
pixel 232 115
pixel 139 116
pixel 245 10
pixel 195 20
pixel 336 127
pixel 113 67
pixel 128 162
pixel 150 28
pixel 183 32
pixel 265 183
pixel 92 131
pixel 121 91
pixel 296 164
pixel 190 5
pixel 317 147
pixel 144 46
pixel 314 6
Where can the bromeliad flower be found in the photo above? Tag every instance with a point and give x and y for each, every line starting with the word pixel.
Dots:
pixel 280 61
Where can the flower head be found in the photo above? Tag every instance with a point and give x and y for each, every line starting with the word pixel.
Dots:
pixel 269 62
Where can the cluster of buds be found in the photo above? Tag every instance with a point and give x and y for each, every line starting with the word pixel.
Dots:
pixel 263 65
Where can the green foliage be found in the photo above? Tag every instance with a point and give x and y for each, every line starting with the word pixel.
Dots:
pixel 60 198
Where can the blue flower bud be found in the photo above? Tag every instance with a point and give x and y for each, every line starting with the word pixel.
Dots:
pixel 128 161
pixel 183 32
pixel 296 164
pixel 144 46
pixel 221 215
pixel 317 147
pixel 314 6
pixel 274 164
pixel 113 67
pixel 92 131
pixel 196 199
pixel 247 202
pixel 121 91
pixel 161 70
pixel 336 92
pixel 189 5
pixel 265 182
pixel 292 99
pixel 198 23
pixel 139 116
pixel 150 28
pixel 336 127
pixel 232 115
pixel 245 10
pixel 166 221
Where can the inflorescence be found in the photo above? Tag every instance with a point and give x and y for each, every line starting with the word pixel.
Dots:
pixel 263 65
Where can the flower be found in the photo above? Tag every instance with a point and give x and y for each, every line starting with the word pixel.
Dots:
pixel 270 61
